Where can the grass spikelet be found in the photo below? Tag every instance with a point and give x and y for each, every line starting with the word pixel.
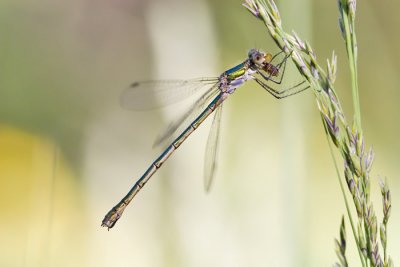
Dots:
pixel 348 138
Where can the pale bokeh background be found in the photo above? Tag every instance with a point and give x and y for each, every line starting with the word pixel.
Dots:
pixel 68 152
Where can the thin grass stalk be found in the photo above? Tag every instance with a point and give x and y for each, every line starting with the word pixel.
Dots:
pixel 347 11
pixel 346 202
pixel 273 22
pixel 348 139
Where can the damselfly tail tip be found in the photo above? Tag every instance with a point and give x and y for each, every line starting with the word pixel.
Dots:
pixel 112 217
pixel 107 223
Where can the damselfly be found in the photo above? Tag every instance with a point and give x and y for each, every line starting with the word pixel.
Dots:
pixel 258 66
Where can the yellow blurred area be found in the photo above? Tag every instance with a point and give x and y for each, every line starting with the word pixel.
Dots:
pixel 40 203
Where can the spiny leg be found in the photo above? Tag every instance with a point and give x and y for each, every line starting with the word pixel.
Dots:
pixel 281 94
pixel 277 54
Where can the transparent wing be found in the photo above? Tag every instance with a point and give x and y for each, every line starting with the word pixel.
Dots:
pixel 187 116
pixel 152 94
pixel 212 150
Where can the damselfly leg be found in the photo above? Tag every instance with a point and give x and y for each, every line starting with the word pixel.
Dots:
pixel 271 70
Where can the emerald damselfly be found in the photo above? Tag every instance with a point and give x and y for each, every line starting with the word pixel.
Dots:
pixel 258 66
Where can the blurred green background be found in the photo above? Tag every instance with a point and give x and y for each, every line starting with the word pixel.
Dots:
pixel 69 152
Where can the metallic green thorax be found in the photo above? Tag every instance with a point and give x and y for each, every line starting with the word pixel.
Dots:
pixel 237 71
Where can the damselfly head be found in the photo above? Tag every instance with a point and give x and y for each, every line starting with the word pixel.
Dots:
pixel 256 56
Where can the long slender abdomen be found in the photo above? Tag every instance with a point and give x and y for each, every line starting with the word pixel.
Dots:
pixel 116 212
